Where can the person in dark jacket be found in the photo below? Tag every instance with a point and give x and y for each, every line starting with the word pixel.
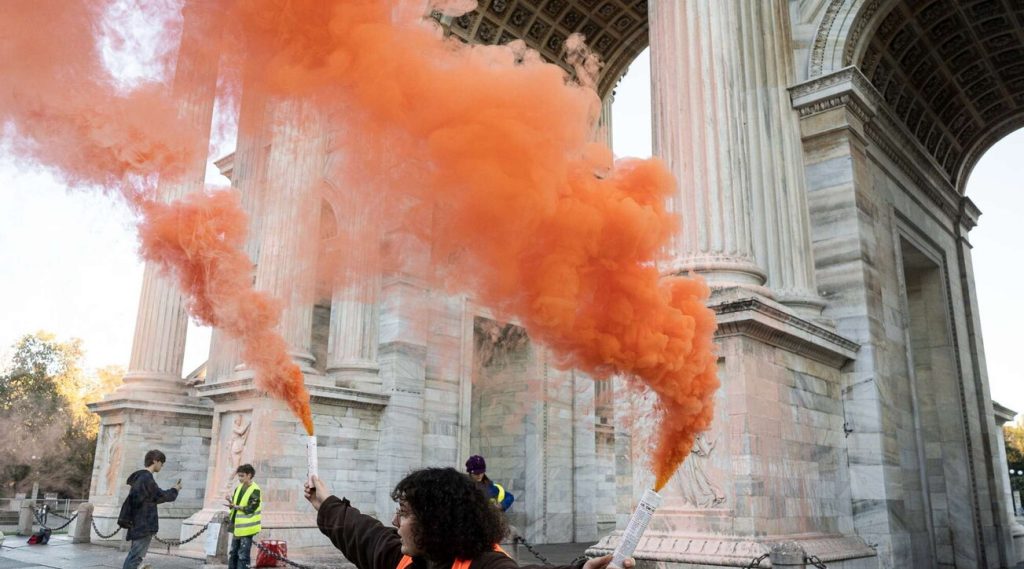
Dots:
pixel 476 467
pixel 144 496
pixel 443 522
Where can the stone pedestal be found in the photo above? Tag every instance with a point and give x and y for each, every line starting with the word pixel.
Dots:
pixel 772 467
pixel 179 427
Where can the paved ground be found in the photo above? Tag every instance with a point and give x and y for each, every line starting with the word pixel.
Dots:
pixel 60 553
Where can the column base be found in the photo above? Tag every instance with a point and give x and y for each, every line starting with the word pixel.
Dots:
pixel 722 272
pixel 153 382
pixel 804 303
pixel 360 375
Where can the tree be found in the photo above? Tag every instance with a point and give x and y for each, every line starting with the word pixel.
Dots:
pixel 1014 435
pixel 48 433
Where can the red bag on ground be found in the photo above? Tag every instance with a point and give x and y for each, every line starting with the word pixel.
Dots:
pixel 264 559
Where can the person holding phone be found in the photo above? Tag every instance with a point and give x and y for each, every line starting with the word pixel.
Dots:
pixel 144 497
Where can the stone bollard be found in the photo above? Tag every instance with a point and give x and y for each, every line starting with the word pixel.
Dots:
pixel 83 524
pixel 220 551
pixel 788 554
pixel 27 517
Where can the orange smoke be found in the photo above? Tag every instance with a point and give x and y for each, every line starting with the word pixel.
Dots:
pixel 68 114
pixel 488 143
pixel 496 146
pixel 201 238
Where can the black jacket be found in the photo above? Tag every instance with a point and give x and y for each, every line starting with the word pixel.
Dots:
pixel 145 495
pixel 368 544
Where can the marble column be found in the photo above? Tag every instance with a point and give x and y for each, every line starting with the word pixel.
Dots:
pixel 290 232
pixel 247 170
pixel 697 122
pixel 354 334
pixel 781 221
pixel 352 343
pixel 724 124
pixel 158 347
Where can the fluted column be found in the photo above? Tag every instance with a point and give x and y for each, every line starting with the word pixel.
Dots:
pixel 248 173
pixel 698 131
pixel 604 123
pixel 781 219
pixel 290 232
pixel 158 347
pixel 355 310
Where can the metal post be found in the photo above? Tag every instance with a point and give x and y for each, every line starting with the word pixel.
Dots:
pixel 788 554
pixel 220 551
pixel 27 517
pixel 82 532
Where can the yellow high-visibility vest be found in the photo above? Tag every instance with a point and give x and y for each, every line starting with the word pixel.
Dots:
pixel 247 525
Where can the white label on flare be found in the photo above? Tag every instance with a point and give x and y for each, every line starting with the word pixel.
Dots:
pixel 635 528
pixel 311 465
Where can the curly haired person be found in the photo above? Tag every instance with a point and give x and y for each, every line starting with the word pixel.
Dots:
pixel 442 521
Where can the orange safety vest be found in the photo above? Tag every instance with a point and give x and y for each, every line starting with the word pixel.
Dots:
pixel 406 561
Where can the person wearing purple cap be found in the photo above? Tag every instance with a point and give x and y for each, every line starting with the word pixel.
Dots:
pixel 477 469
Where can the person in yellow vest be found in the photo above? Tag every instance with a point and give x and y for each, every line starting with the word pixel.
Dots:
pixel 246 507
pixel 443 521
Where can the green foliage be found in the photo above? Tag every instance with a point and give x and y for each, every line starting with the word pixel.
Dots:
pixel 1014 434
pixel 49 435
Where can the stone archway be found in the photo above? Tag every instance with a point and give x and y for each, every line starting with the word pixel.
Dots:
pixel 617 30
pixel 951 72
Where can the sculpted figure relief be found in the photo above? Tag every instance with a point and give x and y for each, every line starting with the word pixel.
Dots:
pixel 111 456
pixel 695 485
pixel 237 440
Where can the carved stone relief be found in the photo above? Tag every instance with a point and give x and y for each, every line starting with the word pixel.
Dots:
pixel 234 441
pixel 112 449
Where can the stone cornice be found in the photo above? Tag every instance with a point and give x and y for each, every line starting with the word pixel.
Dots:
pixel 326 394
pixel 140 402
pixel 755 318
pixel 850 90
pixel 1002 414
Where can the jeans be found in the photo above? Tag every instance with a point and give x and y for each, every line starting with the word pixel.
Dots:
pixel 138 550
pixel 239 556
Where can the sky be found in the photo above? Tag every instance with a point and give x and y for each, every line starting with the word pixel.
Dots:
pixel 69 264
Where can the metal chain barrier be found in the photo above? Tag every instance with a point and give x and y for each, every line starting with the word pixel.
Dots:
pixel 756 562
pixel 813 560
pixel 526 544
pixel 99 533
pixel 42 522
pixel 285 560
pixel 179 542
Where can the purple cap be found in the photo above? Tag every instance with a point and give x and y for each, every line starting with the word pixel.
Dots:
pixel 476 464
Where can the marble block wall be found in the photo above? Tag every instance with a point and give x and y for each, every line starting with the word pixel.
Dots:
pixel 891 256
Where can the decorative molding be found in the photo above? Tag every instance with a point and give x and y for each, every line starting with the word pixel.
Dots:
pixel 238 388
pixel 732 551
pixel 848 88
pixel 129 402
pixel 755 318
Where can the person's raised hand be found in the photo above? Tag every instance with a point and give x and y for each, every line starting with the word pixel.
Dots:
pixel 604 561
pixel 177 485
pixel 315 491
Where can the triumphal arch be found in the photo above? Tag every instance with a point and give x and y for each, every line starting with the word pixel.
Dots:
pixel 821 149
